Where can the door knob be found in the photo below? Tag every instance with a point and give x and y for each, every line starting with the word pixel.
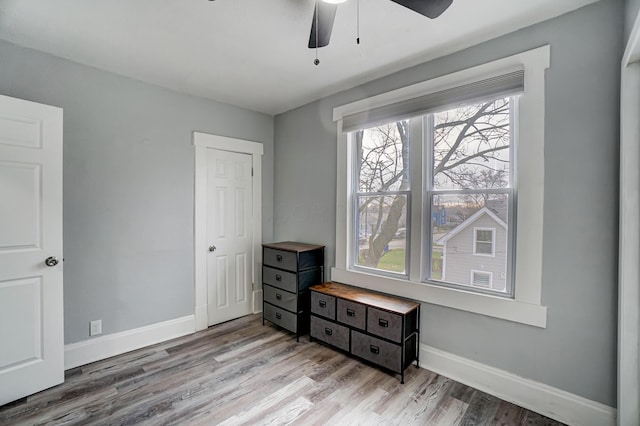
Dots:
pixel 212 248
pixel 51 261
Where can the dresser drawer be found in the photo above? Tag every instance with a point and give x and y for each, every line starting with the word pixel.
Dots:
pixel 323 304
pixel 384 324
pixel 281 298
pixel 329 332
pixel 281 279
pixel 281 259
pixel 351 313
pixel 282 317
pixel 377 351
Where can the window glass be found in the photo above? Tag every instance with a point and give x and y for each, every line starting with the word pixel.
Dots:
pixel 484 241
pixel 471 146
pixel 470 193
pixel 382 196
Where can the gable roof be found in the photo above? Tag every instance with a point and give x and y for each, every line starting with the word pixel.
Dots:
pixel 470 220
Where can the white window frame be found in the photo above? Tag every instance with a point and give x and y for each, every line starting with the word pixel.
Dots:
pixel 472 281
pixel 475 241
pixel 526 305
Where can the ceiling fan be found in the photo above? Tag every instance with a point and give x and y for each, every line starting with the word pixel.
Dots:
pixel 325 14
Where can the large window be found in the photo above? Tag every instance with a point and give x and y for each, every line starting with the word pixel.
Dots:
pixel 468 184
pixel 440 190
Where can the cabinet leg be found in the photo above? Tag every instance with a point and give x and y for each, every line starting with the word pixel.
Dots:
pixel 402 378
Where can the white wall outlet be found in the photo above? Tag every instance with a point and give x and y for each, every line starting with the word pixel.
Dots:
pixel 95 328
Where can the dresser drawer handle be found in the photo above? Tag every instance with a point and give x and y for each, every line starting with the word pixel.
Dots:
pixel 374 349
pixel 322 303
pixel 279 257
pixel 278 277
pixel 328 331
pixel 278 296
pixel 278 315
pixel 351 312
pixel 383 323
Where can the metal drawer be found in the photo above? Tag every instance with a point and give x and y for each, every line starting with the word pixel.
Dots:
pixel 329 332
pixel 384 324
pixel 280 259
pixel 284 280
pixel 378 351
pixel 281 317
pixel 351 313
pixel 280 298
pixel 323 304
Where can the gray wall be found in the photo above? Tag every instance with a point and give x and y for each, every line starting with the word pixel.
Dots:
pixel 128 186
pixel 577 351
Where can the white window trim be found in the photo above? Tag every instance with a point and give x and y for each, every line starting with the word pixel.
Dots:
pixel 475 271
pixel 493 241
pixel 629 270
pixel 526 305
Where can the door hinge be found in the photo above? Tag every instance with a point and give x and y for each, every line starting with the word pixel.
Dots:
pixel 252 171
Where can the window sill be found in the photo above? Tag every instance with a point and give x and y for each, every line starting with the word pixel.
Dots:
pixel 483 304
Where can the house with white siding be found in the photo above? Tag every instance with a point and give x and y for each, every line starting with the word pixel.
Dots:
pixel 474 253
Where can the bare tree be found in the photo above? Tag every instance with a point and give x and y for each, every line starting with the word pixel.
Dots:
pixel 470 146
pixel 383 169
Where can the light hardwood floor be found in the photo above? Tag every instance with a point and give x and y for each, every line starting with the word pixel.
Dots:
pixel 242 372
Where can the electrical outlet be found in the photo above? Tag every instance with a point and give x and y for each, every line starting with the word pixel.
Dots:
pixel 95 328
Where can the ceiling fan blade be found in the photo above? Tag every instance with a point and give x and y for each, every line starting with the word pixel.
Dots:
pixel 326 16
pixel 429 8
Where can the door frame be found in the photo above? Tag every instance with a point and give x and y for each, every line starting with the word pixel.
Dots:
pixel 202 142
pixel 629 244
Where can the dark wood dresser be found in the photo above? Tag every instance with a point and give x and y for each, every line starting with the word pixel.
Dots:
pixel 288 270
pixel 373 326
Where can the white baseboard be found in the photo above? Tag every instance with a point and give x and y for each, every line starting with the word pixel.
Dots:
pixel 87 351
pixel 201 320
pixel 257 301
pixel 535 396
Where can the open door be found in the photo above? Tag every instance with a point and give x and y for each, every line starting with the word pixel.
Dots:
pixel 31 315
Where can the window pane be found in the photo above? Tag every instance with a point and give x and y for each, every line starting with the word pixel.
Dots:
pixel 484 241
pixel 470 238
pixel 382 232
pixel 471 146
pixel 483 248
pixel 484 236
pixel 382 154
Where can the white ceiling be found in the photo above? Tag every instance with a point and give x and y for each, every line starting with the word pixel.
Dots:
pixel 253 53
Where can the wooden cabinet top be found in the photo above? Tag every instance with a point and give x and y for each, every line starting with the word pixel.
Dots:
pixel 368 297
pixel 292 246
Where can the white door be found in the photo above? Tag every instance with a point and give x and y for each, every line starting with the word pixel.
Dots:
pixel 31 316
pixel 229 235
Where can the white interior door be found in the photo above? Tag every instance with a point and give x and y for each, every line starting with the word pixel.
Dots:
pixel 31 316
pixel 230 235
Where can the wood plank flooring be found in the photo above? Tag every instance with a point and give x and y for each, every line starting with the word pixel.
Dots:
pixel 244 373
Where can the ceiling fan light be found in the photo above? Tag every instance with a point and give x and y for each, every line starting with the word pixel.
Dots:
pixel 334 1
